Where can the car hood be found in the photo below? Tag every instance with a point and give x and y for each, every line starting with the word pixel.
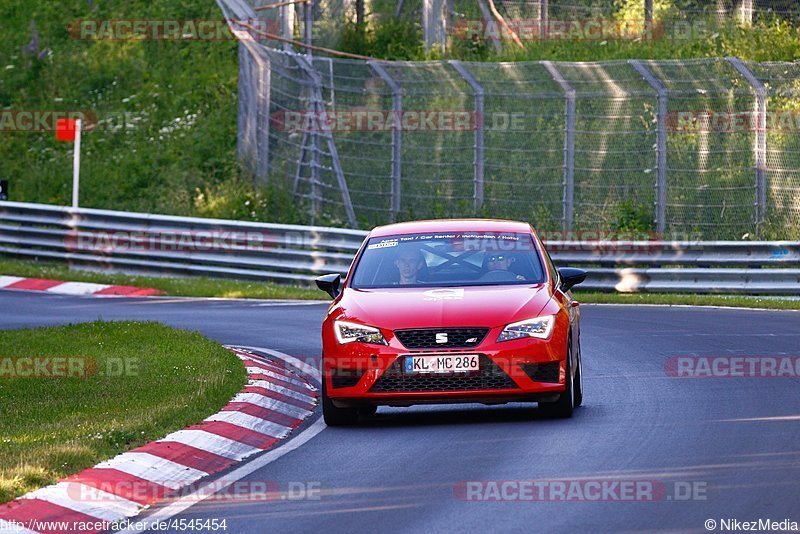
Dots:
pixel 397 308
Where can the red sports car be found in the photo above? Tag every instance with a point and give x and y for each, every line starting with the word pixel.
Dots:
pixel 451 311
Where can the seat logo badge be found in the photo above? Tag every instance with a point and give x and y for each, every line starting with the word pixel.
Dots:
pixel 446 293
pixel 441 337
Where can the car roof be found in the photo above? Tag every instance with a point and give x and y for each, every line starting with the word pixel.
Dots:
pixel 451 225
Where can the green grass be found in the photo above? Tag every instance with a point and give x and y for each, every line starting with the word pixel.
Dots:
pixel 673 299
pixel 169 107
pixel 774 40
pixel 183 287
pixel 53 427
pixel 680 34
pixel 169 141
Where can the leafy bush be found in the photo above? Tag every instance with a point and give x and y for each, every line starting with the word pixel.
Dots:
pixel 632 217
pixel 390 38
pixel 241 199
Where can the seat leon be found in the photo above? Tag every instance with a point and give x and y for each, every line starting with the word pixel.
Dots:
pixel 451 311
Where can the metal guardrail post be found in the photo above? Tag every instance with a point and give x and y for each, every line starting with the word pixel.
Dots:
pixel 397 134
pixel 318 110
pixel 661 144
pixel 569 144
pixel 760 142
pixel 478 158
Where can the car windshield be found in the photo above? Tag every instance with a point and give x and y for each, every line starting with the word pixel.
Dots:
pixel 453 259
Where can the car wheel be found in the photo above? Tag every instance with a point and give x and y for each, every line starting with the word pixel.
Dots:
pixel 563 407
pixel 333 415
pixel 579 378
pixel 367 411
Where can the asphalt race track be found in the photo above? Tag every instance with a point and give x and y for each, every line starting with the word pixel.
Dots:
pixel 734 441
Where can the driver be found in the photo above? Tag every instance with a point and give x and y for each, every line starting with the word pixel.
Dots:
pixel 500 262
pixel 409 262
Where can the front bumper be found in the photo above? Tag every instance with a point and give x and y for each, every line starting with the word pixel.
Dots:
pixel 360 374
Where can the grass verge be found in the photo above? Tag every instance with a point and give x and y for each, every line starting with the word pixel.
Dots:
pixel 140 382
pixel 673 299
pixel 213 287
pixel 183 287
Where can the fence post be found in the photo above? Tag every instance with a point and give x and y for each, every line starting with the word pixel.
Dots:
pixel 478 157
pixel 648 15
pixel 301 162
pixel 244 85
pixel 487 20
pixel 287 23
pixel 760 142
pixel 747 12
pixel 544 19
pixel 661 144
pixel 397 134
pixel 433 26
pixel 317 106
pixel 308 23
pixel 569 145
pixel 263 105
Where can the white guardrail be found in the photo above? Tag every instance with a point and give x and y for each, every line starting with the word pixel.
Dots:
pixel 139 243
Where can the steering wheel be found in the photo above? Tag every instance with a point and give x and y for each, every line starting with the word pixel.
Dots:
pixel 499 276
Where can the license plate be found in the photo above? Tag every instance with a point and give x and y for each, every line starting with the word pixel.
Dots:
pixel 441 363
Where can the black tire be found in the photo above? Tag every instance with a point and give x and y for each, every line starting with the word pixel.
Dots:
pixel 333 415
pixel 564 406
pixel 579 378
pixel 367 411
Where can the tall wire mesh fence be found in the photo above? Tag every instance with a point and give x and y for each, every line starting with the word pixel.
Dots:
pixel 443 21
pixel 707 147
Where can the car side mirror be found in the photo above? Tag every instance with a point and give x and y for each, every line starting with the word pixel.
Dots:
pixel 330 283
pixel 571 277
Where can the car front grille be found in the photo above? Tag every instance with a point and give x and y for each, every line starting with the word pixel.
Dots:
pixel 426 338
pixel 543 372
pixel 490 376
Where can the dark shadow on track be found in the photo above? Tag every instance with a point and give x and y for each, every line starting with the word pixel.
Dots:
pixel 462 415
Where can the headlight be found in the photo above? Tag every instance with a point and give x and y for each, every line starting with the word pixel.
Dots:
pixel 349 332
pixel 540 327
